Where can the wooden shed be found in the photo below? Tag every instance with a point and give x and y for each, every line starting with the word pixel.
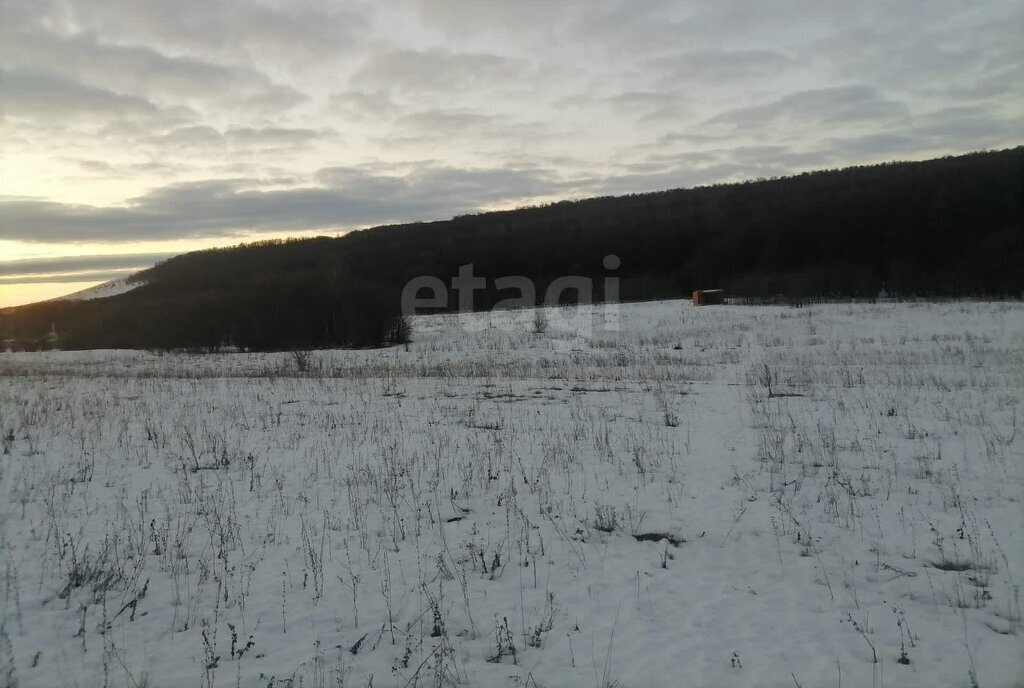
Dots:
pixel 708 297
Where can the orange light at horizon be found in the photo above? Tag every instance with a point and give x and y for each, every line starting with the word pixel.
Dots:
pixel 21 294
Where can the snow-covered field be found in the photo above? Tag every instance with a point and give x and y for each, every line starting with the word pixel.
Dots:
pixel 102 291
pixel 726 496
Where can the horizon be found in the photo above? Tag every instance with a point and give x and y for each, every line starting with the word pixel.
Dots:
pixel 140 132
pixel 68 284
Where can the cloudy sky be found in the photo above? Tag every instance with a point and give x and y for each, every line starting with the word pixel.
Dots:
pixel 137 129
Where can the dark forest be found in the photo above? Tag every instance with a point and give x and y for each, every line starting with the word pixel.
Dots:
pixel 950 227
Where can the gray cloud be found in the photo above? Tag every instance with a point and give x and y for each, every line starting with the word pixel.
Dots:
pixel 192 136
pixel 38 96
pixel 972 53
pixel 438 71
pixel 94 166
pixel 447 122
pixel 347 197
pixel 70 277
pixel 297 32
pixel 12 269
pixel 685 173
pixel 711 67
pixel 645 106
pixel 365 105
pixel 470 18
pixel 445 127
pixel 843 104
pixel 966 125
pixel 207 137
pixel 141 70
pixel 90 168
pixel 273 136
pixel 869 146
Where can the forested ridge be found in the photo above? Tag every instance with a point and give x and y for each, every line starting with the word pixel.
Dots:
pixel 947 227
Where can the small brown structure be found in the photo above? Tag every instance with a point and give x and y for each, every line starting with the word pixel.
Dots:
pixel 708 297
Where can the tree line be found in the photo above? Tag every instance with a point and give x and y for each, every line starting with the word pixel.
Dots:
pixel 944 228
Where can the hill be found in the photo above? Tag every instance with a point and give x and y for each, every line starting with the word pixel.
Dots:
pixel 947 227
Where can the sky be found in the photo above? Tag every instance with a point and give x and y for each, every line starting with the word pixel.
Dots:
pixel 134 130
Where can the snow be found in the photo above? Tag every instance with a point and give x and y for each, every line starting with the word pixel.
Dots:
pixel 102 291
pixel 407 516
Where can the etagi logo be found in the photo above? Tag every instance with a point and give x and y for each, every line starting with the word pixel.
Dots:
pixel 582 320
